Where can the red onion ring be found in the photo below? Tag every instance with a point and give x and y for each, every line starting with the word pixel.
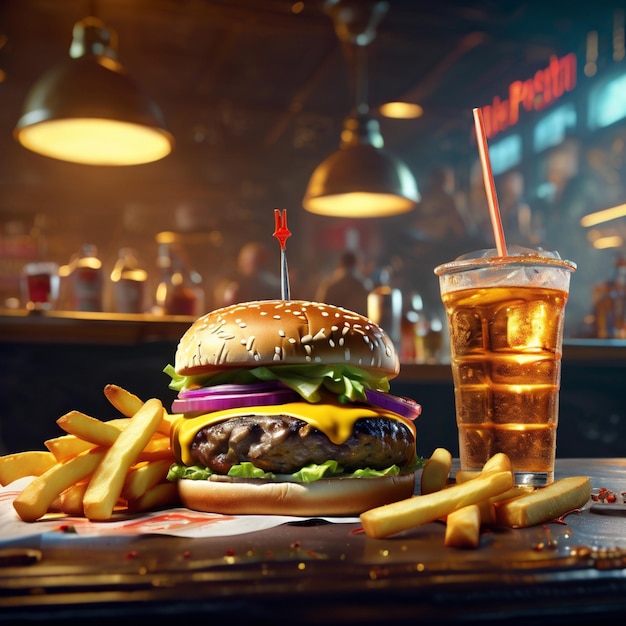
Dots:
pixel 219 399
pixel 406 407
pixel 231 396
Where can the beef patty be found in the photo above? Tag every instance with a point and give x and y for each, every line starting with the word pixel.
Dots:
pixel 283 444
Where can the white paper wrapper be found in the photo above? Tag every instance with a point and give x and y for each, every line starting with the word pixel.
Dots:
pixel 178 522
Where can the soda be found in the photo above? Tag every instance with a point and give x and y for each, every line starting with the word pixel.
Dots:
pixel 505 317
pixel 506 354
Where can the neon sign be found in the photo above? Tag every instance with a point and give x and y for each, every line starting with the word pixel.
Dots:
pixel 536 93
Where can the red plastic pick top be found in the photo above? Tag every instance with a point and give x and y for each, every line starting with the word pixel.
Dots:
pixel 281 231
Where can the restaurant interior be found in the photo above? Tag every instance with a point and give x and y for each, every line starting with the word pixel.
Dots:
pixel 252 100
pixel 162 158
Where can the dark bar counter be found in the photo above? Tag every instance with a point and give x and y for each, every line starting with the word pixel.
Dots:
pixel 55 362
pixel 311 572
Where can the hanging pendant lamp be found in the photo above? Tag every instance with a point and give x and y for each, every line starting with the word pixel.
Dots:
pixel 361 179
pixel 89 110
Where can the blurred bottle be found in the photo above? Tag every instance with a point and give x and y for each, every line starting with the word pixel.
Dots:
pixel 433 339
pixel 179 291
pixel 619 299
pixel 412 329
pixel 87 280
pixel 129 283
pixel 610 304
pixel 384 306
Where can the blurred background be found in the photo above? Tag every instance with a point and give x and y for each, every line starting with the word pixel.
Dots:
pixel 258 105
pixel 255 94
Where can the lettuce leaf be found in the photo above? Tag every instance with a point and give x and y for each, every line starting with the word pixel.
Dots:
pixel 247 470
pixel 347 382
pixel 308 474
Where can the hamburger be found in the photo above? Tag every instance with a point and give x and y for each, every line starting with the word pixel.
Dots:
pixel 285 409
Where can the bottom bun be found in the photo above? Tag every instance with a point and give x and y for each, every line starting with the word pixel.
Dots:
pixel 336 496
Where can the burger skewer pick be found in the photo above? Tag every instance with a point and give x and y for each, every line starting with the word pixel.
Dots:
pixel 281 232
pixel 284 408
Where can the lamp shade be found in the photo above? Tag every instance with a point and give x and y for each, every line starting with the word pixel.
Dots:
pixel 361 179
pixel 90 110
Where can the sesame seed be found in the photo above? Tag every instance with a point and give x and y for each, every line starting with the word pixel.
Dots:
pixel 347 354
pixel 334 328
pixel 281 332
pixel 291 340
pixel 320 334
pixel 250 342
pixel 276 317
pixel 331 343
pixel 325 313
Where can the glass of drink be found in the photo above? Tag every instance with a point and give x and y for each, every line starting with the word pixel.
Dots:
pixel 40 285
pixel 505 316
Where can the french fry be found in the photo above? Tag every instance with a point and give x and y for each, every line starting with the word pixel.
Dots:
pixel 66 447
pixel 462 476
pixel 168 422
pixel 39 494
pixel 159 496
pixel 544 503
pixel 436 471
pixel 463 527
pixel 107 481
pixel 157 449
pixel 70 501
pixel 88 428
pixel 20 464
pixel 499 462
pixel 128 404
pixel 125 402
pixel 143 477
pixel 398 516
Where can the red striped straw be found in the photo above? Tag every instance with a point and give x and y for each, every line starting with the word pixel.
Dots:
pixel 490 187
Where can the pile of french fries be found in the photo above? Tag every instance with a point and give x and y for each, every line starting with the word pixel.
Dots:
pixel 98 467
pixel 475 500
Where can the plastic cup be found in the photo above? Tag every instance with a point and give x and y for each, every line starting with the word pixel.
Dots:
pixel 505 317
pixel 40 285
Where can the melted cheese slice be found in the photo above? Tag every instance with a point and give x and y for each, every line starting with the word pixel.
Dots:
pixel 336 421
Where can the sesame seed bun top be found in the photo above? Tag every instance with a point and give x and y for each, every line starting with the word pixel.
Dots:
pixel 284 332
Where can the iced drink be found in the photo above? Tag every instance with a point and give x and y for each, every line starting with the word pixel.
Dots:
pixel 505 316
